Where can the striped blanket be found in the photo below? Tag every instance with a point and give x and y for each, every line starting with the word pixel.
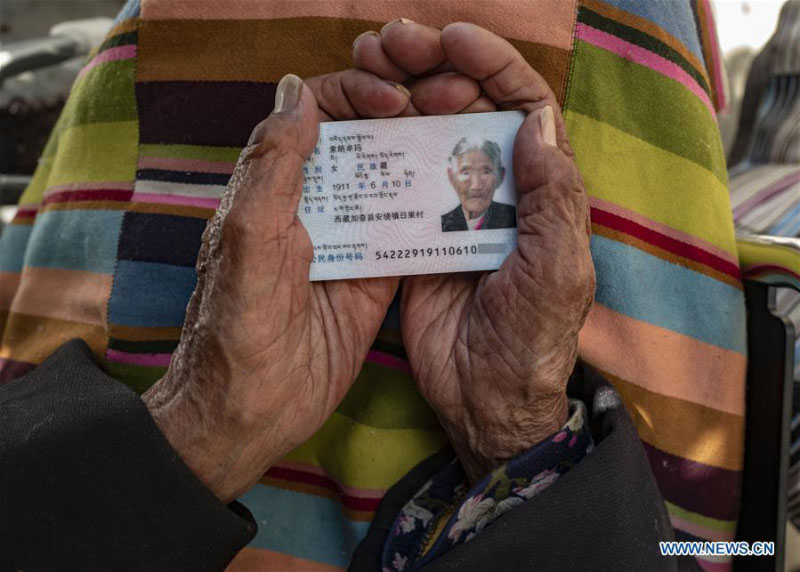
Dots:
pixel 104 244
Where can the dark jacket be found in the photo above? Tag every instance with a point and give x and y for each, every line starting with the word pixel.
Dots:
pixel 88 482
pixel 500 215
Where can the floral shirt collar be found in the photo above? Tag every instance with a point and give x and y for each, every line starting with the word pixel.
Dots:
pixel 445 513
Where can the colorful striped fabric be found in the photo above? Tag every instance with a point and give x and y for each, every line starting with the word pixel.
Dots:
pixel 774 262
pixel 105 241
pixel 766 199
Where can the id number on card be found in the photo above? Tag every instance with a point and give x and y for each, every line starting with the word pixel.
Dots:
pixel 429 252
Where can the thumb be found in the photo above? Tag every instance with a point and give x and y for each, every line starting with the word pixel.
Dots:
pixel 279 146
pixel 265 188
pixel 551 194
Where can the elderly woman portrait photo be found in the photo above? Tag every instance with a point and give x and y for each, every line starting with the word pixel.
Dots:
pixel 476 171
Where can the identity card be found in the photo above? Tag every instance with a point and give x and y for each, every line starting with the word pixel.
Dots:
pixel 416 195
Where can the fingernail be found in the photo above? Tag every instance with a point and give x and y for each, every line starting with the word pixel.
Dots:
pixel 364 34
pixel 547 126
pixel 400 87
pixel 288 93
pixel 398 21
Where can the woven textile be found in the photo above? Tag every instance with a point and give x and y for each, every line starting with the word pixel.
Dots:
pixel 772 263
pixel 105 241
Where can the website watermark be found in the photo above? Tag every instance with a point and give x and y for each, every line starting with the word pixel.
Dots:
pixel 717 548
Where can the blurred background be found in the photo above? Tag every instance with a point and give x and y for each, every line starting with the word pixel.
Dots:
pixel 25 19
pixel 30 102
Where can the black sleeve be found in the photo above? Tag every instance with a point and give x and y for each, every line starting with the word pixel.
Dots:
pixel 605 513
pixel 88 482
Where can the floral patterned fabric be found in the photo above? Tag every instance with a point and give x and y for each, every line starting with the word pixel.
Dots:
pixel 445 512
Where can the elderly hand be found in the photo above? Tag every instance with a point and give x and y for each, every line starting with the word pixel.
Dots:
pixel 265 356
pixel 492 352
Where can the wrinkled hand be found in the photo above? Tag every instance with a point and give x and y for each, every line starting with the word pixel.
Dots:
pixel 265 356
pixel 492 352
